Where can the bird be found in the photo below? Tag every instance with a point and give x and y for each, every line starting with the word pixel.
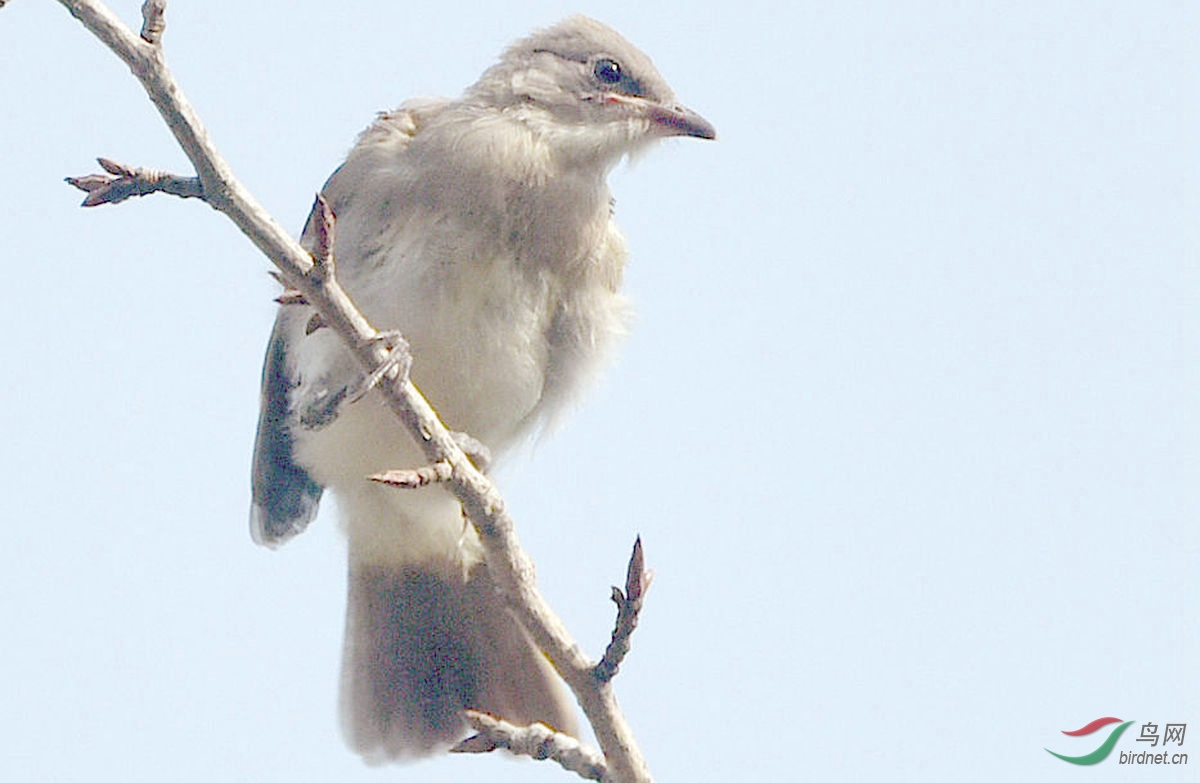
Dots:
pixel 481 228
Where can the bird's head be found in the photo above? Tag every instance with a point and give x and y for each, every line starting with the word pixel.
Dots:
pixel 583 83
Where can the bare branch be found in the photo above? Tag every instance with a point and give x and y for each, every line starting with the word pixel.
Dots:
pixel 629 607
pixel 221 189
pixel 537 741
pixel 413 478
pixel 509 565
pixel 123 182
pixel 438 472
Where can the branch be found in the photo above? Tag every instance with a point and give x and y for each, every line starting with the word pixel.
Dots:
pixel 510 567
pixel 629 607
pixel 122 182
pixel 415 478
pixel 538 741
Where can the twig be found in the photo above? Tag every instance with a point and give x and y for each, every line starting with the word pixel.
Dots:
pixel 481 501
pixel 538 741
pixel 124 182
pixel 629 607
pixel 291 297
pixel 414 478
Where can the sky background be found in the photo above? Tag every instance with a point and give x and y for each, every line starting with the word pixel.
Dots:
pixel 908 420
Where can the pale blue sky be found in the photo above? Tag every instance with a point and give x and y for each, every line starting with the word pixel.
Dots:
pixel 908 422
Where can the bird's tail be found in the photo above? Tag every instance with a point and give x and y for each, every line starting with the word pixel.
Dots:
pixel 421 648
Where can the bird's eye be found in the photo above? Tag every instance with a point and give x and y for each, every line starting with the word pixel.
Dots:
pixel 607 71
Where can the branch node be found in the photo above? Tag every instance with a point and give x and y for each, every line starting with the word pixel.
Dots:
pixel 537 741
pixel 316 322
pixel 154 21
pixel 323 223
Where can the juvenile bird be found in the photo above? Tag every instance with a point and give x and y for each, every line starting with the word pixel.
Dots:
pixel 482 229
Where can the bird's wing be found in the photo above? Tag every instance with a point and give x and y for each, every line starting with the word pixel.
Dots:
pixel 294 395
pixel 284 497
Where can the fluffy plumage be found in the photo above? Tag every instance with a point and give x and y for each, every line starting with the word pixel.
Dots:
pixel 482 229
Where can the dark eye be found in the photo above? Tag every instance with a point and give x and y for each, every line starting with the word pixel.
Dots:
pixel 607 71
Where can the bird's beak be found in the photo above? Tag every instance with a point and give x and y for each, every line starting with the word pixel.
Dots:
pixel 680 121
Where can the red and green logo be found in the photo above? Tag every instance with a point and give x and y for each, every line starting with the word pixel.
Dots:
pixel 1100 753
